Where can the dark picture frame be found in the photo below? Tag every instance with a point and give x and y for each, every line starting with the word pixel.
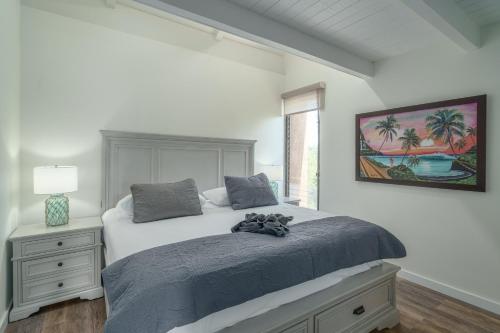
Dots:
pixel 454 154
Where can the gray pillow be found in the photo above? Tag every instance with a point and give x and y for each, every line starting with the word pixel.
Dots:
pixel 154 202
pixel 247 192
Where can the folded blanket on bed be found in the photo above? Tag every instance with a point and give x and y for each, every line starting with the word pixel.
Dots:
pixel 176 284
pixel 272 224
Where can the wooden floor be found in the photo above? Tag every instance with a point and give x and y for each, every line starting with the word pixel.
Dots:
pixel 422 311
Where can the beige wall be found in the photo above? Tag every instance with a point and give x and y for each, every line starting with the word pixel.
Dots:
pixel 79 77
pixel 452 237
pixel 9 144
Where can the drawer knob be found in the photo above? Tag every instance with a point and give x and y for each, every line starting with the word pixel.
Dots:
pixel 60 284
pixel 60 264
pixel 59 243
pixel 359 310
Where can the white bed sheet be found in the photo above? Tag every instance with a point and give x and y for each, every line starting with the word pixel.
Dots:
pixel 122 238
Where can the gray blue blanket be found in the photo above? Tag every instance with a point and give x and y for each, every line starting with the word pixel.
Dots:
pixel 177 284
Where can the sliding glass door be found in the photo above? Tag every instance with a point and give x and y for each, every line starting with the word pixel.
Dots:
pixel 302 158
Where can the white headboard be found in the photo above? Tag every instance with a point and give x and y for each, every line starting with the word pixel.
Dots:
pixel 133 158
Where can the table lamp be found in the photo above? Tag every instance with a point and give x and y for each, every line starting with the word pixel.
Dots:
pixel 55 180
pixel 275 174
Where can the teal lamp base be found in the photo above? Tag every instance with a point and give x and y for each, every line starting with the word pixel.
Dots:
pixel 274 187
pixel 56 210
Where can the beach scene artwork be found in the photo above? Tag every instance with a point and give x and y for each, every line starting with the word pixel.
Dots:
pixel 427 144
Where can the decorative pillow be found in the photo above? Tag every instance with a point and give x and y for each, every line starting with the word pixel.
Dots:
pixel 217 196
pixel 247 192
pixel 127 203
pixel 154 202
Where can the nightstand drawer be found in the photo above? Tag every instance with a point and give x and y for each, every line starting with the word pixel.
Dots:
pixel 55 286
pixel 32 269
pixel 58 243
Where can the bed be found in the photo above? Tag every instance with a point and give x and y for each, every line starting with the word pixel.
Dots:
pixel 355 299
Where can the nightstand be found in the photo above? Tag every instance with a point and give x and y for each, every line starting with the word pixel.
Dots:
pixel 291 201
pixel 54 264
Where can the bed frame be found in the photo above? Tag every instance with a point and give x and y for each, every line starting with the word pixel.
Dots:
pixel 360 303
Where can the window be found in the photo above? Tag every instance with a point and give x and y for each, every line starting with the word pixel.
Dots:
pixel 302 112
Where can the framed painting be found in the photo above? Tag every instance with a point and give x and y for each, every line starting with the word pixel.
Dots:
pixel 441 144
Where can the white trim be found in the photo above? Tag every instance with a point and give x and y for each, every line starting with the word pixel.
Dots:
pixel 462 295
pixel 4 320
pixel 303 90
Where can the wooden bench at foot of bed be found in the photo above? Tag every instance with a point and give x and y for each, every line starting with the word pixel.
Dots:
pixel 360 303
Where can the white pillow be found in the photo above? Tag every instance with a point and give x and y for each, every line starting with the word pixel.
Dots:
pixel 217 196
pixel 209 205
pixel 127 203
pixel 203 201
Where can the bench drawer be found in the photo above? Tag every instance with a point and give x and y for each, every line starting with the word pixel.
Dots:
pixel 56 286
pixel 301 327
pixel 343 316
pixel 83 260
pixel 58 243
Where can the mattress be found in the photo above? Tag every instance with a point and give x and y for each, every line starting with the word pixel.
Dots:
pixel 122 238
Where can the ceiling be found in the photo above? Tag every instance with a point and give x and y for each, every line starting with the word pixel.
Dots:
pixel 372 29
pixel 349 35
pixel 483 12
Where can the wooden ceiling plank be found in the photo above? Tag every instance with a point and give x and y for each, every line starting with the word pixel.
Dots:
pixel 338 12
pixel 280 7
pixel 263 5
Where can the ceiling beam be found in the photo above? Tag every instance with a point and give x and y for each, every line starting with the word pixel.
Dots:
pixel 447 17
pixel 231 18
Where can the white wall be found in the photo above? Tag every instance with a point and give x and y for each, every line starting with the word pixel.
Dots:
pixel 452 237
pixel 87 71
pixel 9 144
pixel 131 17
pixel 79 77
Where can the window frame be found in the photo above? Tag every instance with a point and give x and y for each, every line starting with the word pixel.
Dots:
pixel 287 154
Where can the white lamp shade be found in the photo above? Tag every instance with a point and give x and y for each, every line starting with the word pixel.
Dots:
pixel 273 172
pixel 55 179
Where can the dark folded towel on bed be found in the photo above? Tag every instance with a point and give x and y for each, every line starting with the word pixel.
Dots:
pixel 272 224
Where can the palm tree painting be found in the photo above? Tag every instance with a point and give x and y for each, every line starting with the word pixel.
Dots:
pixel 436 144
pixel 408 140
pixel 387 128
pixel 413 161
pixel 472 133
pixel 446 125
pixel 460 144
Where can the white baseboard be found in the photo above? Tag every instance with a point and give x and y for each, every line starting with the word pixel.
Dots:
pixel 4 319
pixel 462 295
